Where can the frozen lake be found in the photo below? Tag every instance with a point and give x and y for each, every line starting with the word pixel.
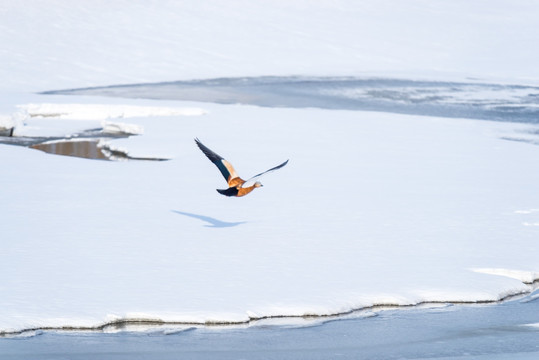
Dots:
pixel 490 331
pixel 498 331
pixel 400 190
pixel 473 100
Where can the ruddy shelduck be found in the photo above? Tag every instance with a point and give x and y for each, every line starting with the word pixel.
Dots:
pixel 236 185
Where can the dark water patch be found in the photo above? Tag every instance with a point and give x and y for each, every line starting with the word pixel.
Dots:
pixel 88 149
pixel 6 131
pixel 513 103
pixel 88 144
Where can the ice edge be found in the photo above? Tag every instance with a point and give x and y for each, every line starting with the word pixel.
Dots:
pixel 121 322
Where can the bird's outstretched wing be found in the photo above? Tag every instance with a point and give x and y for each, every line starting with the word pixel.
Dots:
pixel 252 180
pixel 224 166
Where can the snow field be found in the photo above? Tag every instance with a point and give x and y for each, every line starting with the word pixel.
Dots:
pixel 373 208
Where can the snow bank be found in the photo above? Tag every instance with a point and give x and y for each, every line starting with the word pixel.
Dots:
pixel 526 277
pixel 65 120
pixel 102 111
pixel 121 128
pixel 6 122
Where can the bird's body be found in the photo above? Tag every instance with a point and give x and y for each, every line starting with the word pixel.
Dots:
pixel 236 186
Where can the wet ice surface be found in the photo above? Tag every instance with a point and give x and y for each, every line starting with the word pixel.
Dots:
pixel 500 331
pixel 474 100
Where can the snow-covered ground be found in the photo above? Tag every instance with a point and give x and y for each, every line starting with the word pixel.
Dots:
pixel 373 208
pixel 56 44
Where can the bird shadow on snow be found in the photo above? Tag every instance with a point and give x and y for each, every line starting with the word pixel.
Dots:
pixel 214 223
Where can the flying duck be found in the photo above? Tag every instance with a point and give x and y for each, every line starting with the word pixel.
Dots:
pixel 236 185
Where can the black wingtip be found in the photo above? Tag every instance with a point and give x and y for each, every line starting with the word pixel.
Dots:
pixel 209 153
pixel 232 191
pixel 280 166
